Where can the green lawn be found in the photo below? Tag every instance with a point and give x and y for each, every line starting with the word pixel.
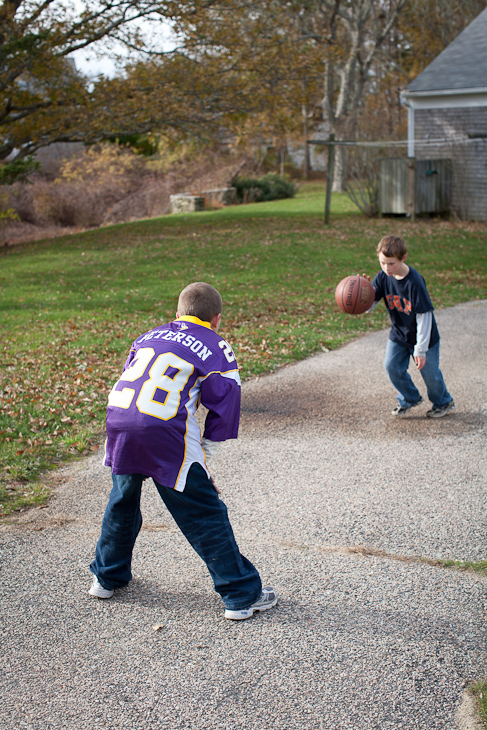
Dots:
pixel 71 306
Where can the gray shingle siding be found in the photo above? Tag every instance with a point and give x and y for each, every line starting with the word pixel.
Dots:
pixel 468 155
pixel 448 102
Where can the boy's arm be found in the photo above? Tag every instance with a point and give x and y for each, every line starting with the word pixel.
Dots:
pixel 424 322
pixel 220 394
pixel 374 304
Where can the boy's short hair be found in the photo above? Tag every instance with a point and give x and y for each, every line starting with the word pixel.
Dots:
pixel 392 247
pixel 200 300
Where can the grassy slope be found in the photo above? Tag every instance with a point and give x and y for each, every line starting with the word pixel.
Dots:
pixel 71 306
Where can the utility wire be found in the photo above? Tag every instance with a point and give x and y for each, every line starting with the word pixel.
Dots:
pixel 441 142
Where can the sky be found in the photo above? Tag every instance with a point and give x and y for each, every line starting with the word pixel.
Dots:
pixel 98 58
pixel 90 65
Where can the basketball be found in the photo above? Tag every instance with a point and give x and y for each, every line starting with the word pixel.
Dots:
pixel 354 295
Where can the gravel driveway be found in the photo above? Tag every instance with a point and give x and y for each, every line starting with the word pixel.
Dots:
pixel 344 509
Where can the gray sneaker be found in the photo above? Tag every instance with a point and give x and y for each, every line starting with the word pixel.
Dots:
pixel 98 590
pixel 402 410
pixel 268 599
pixel 440 412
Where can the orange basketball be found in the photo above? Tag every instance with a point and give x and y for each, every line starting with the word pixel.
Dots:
pixel 354 294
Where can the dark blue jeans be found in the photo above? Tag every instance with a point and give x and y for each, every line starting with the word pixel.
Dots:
pixel 202 518
pixel 396 364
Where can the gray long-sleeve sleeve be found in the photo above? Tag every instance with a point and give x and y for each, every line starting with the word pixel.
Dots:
pixel 424 322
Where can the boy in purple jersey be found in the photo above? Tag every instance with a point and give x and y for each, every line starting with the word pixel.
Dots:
pixel 413 330
pixel 152 432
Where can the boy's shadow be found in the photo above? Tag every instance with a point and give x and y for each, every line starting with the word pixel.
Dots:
pixel 338 407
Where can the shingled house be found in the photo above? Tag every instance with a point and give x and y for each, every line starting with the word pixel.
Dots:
pixel 447 117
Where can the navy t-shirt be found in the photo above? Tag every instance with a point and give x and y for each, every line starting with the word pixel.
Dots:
pixel 405 298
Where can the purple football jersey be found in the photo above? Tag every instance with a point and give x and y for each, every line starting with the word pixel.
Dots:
pixel 151 425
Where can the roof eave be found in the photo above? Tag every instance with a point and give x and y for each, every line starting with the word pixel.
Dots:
pixel 445 98
pixel 443 92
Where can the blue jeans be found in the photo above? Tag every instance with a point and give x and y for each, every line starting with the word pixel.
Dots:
pixel 202 518
pixel 396 364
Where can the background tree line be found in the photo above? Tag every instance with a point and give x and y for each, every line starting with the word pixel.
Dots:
pixel 260 69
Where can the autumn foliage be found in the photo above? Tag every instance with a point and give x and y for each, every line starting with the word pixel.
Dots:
pixel 106 184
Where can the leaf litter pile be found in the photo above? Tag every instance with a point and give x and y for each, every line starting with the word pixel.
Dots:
pixel 52 400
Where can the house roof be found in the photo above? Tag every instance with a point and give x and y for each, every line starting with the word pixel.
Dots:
pixel 460 66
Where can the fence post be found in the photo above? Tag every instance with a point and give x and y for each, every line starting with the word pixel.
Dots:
pixel 412 189
pixel 329 176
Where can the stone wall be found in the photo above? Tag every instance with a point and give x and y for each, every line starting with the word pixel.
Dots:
pixel 189 203
pixel 186 203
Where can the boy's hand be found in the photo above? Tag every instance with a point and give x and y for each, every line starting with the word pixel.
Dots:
pixel 420 362
pixel 217 489
pixel 366 276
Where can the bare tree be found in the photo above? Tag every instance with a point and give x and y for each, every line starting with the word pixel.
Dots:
pixel 359 29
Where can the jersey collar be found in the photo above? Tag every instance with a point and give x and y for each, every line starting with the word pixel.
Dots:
pixel 194 320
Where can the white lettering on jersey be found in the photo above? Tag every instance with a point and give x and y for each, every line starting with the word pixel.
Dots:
pixel 194 345
pixel 204 353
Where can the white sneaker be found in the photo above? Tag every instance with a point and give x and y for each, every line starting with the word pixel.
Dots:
pixel 98 590
pixel 268 599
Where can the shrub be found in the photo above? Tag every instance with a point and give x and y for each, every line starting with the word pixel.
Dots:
pixel 101 164
pixel 363 180
pixel 141 144
pixel 7 214
pixel 73 205
pixel 106 184
pixel 17 171
pixel 88 186
pixel 267 187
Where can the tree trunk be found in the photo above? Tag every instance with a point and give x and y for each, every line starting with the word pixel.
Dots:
pixel 282 155
pixel 340 172
pixel 306 162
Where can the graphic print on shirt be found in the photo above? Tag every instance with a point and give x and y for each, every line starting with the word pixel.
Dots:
pixel 395 302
